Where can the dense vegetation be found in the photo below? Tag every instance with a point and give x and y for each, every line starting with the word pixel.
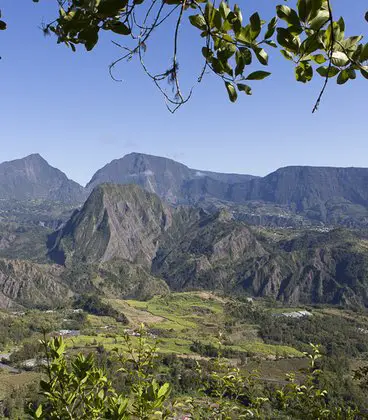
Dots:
pixel 258 346
pixel 82 389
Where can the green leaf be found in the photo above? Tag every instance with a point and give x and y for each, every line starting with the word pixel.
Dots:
pixel 304 9
pixel 288 14
pixel 227 50
pixel 320 20
pixel 304 72
pixel 286 54
pixel 310 45
pixel 288 40
pixel 247 55
pixel 350 42
pixel 255 24
pixel 271 44
pixel 224 9
pixel 233 96
pixel 261 55
pixel 217 66
pixel 332 72
pixel 352 73
pixel 111 7
pixel 38 412
pixel 244 88
pixel 120 28
pixel 217 20
pixel 2 25
pixel 319 58
pixel 258 75
pixel 164 390
pixel 316 7
pixel 343 77
pixel 240 63
pixel 364 53
pixel 271 28
pixel 89 37
pixel 339 59
pixel 198 21
pixel 364 71
pixel 207 53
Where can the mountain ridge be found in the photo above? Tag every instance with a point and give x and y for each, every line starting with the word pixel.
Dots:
pixel 32 178
pixel 290 196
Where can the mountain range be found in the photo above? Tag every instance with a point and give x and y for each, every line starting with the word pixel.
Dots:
pixel 146 225
pixel 290 196
pixel 192 249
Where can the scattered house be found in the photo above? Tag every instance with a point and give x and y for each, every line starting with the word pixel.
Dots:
pixel 49 311
pixel 295 314
pixel 132 333
pixel 68 333
pixel 77 311
pixel 32 363
pixel 363 330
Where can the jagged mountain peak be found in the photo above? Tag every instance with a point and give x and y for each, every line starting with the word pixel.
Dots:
pixel 116 221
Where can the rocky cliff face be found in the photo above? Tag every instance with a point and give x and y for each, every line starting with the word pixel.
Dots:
pixel 205 255
pixel 330 195
pixel 117 221
pixel 33 178
pixel 31 285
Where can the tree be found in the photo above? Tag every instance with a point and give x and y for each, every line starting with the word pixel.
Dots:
pixel 233 48
pixel 81 389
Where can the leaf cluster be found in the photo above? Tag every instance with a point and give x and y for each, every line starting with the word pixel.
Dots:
pixel 235 48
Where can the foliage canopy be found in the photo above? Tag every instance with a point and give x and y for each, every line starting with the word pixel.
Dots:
pixel 234 47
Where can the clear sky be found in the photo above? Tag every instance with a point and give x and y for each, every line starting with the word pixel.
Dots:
pixel 64 105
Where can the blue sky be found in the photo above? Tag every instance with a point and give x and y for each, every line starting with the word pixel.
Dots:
pixel 64 105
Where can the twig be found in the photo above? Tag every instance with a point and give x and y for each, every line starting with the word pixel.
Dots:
pixel 316 105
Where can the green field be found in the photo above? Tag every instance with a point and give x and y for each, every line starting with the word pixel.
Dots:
pixel 176 321
pixel 191 325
